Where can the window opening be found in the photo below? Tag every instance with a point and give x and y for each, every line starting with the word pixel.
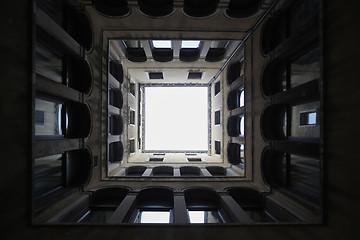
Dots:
pixel 48 118
pixel 217 88
pixel 147 216
pixel 161 43
pixel 132 117
pixel 217 147
pixel 205 216
pixel 156 75
pixel 132 146
pixel 190 44
pixel 217 117
pixel 132 89
pixel 156 159
pixel 195 75
pixel 307 118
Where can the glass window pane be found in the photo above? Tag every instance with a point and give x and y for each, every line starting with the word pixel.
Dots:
pixel 48 64
pixel 242 127
pixel 97 215
pixel 190 44
pixel 161 43
pixel 305 68
pixel 153 217
pixel 241 100
pixel 207 216
pixel 47 118
pixel 304 120
pixel 305 177
pixel 48 174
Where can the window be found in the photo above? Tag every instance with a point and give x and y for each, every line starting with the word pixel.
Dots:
pixel 205 216
pixel 156 75
pixel 217 147
pixel 97 215
pixel 132 146
pixel 161 43
pixel 217 88
pixel 40 118
pixel 242 127
pixel 132 117
pixel 49 118
pixel 195 75
pixel 151 216
pixel 217 117
pixel 176 119
pixel 115 125
pixel 49 63
pixel 190 44
pixel 241 99
pixel 156 159
pixel 115 98
pixel 132 89
pixel 48 174
pixel 307 118
pixel 305 68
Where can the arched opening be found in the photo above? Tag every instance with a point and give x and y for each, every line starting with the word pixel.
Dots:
pixel 112 7
pixel 242 8
pixel 79 120
pixel 200 8
pixel 79 75
pixel 156 8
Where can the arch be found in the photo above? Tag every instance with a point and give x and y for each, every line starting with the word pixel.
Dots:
pixel 202 198
pixel 272 167
pixel 273 124
pixel 115 98
pixel 242 8
pixel 216 170
pixel 273 33
pixel 156 8
pixel 80 28
pixel 273 78
pixel 79 120
pixel 116 70
pixel 112 7
pixel 233 126
pixel 246 197
pixel 135 54
pixel 189 54
pixel 163 171
pixel 234 99
pixel 200 8
pixel 78 167
pixel 115 125
pixel 215 55
pixel 79 75
pixel 109 195
pixel 189 171
pixel 163 54
pixel 155 197
pixel 135 170
pixel 234 72
pixel 234 153
pixel 116 152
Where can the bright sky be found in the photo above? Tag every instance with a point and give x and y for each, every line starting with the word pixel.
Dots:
pixel 176 118
pixel 162 43
pixel 155 217
pixel 197 216
pixel 189 44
